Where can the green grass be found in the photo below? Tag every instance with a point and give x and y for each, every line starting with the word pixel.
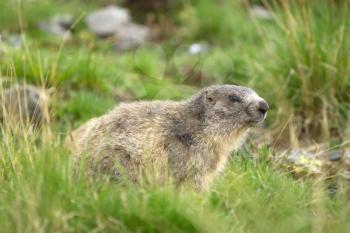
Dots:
pixel 41 192
pixel 297 61
pixel 309 62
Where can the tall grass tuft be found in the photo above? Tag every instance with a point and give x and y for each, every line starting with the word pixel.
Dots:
pixel 308 68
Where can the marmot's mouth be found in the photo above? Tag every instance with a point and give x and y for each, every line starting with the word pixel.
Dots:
pixel 256 122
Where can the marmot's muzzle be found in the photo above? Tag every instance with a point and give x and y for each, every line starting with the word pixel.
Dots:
pixel 258 110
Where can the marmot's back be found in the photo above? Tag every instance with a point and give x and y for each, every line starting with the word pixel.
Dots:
pixel 191 140
pixel 134 128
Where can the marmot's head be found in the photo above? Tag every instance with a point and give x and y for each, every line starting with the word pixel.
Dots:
pixel 227 107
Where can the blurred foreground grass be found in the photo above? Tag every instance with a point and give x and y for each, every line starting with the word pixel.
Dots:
pixel 40 192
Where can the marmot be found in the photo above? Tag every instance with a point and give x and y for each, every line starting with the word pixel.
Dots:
pixel 191 140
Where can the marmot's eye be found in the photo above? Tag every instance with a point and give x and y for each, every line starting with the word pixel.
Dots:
pixel 234 98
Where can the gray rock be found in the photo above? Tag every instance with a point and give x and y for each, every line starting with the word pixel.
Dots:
pixel 14 41
pixel 24 103
pixel 105 22
pixel 332 189
pixel 59 25
pixel 334 155
pixel 130 36
pixel 54 29
pixel 65 21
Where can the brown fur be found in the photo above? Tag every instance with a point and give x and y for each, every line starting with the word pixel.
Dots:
pixel 191 139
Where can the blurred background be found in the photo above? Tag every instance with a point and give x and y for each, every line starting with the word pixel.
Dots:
pixel 94 54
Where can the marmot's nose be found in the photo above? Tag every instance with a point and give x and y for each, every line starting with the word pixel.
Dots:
pixel 263 107
pixel 257 109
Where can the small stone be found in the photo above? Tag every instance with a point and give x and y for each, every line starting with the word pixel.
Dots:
pixel 65 21
pixel 260 12
pixel 347 159
pixel 131 35
pixel 14 41
pixel 345 175
pixel 105 22
pixel 332 189
pixel 197 48
pixel 296 154
pixel 303 162
pixel 334 156
pixel 10 41
pixel 54 29
pixel 59 25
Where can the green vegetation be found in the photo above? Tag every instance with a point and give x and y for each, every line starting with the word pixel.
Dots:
pixel 298 61
pixel 42 193
pixel 311 67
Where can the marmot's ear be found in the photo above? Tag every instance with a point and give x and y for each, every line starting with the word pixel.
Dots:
pixel 209 97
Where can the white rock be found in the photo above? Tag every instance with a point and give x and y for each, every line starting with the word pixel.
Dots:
pixel 261 12
pixel 105 22
pixel 196 49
